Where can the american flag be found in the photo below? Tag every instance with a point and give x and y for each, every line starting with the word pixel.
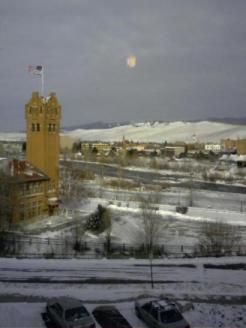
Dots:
pixel 35 70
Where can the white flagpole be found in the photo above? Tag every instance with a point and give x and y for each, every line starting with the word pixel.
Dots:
pixel 42 81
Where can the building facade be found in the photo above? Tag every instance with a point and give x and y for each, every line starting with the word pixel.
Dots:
pixel 43 141
pixel 30 187
pixel 241 147
pixel 22 192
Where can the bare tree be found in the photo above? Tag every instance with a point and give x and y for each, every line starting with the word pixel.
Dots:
pixel 153 226
pixel 72 189
pixel 219 238
pixel 9 200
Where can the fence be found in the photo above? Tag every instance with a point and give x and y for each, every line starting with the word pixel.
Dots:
pixel 36 247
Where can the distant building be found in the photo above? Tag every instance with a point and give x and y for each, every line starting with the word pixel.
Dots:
pixel 234 146
pixel 241 146
pixel 229 145
pixel 100 147
pixel 214 147
pixel 12 148
pixel 66 143
pixel 174 150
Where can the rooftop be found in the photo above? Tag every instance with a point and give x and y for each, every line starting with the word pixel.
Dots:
pixel 22 169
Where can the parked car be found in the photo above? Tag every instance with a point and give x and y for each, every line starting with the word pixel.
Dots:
pixel 109 317
pixel 66 312
pixel 160 313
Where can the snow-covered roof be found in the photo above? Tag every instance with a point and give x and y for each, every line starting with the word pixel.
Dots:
pixel 233 158
pixel 22 169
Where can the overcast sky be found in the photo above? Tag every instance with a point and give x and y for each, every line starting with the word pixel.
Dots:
pixel 191 58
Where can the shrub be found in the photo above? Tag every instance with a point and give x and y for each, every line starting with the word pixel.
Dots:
pixel 99 221
pixel 181 209
pixel 219 238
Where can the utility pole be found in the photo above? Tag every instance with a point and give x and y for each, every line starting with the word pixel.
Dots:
pixel 191 189
pixel 151 267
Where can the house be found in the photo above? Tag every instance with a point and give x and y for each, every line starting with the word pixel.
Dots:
pixel 229 145
pixel 234 146
pixel 241 146
pixel 174 150
pixel 99 147
pixel 214 147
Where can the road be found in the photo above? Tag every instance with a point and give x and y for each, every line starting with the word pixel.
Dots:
pixel 154 177
pixel 176 277
pixel 200 198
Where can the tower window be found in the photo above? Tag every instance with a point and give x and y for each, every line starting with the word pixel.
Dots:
pixel 51 127
pixel 38 127
pixel 33 127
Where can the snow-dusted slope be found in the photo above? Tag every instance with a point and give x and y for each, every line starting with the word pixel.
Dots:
pixel 159 132
pixel 12 136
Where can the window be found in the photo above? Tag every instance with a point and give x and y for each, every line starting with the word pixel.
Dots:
pixel 56 307
pixel 147 307
pixel 33 127
pixel 38 127
pixel 76 313
pixel 170 316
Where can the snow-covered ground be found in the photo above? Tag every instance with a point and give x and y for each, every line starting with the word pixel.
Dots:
pixel 216 301
pixel 203 315
pixel 58 234
pixel 12 136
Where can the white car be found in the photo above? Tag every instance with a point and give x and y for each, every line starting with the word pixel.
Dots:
pixel 66 312
pixel 160 313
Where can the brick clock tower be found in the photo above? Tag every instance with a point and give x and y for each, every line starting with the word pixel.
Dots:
pixel 43 116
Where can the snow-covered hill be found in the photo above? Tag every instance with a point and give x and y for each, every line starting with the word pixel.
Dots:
pixel 155 131
pixel 12 136
pixel 159 132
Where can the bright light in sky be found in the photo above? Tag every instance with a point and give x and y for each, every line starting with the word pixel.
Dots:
pixel 131 61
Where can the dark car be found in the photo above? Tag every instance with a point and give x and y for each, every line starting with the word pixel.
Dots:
pixel 160 313
pixel 66 312
pixel 109 317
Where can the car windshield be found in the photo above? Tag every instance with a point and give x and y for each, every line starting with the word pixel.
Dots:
pixel 76 313
pixel 170 316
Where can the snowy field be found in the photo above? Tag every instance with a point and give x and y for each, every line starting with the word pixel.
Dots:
pixel 213 301
pixel 177 229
